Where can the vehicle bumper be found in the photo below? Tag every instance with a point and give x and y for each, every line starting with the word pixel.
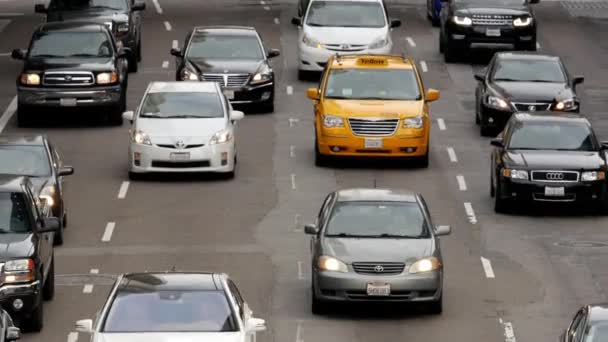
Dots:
pixel 336 286
pixel 315 59
pixel 209 158
pixel 85 97
pixel 253 94
pixel 28 293
pixel 535 191
pixel 475 37
pixel 495 118
pixel 354 146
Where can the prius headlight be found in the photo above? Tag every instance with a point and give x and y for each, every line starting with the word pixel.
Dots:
pixel 328 263
pixel 221 137
pixel 525 21
pixel 310 41
pixel 425 265
pixel 140 137
pixel 462 21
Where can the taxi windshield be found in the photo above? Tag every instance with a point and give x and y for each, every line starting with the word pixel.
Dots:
pixel 372 84
pixel 345 14
pixel 554 136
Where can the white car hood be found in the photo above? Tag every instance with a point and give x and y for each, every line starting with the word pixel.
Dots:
pixel 345 35
pixel 190 131
pixel 169 337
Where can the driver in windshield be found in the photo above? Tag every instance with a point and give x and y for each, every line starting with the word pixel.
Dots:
pixel 13 214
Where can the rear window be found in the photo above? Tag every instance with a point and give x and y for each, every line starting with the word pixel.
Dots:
pixel 14 214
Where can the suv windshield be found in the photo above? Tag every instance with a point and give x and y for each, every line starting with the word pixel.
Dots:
pixel 372 84
pixel 345 14
pixel 528 71
pixel 24 160
pixel 14 214
pixel 566 136
pixel 170 311
pixel 71 44
pixel 377 219
pixel 223 46
pixel 498 3
pixel 72 5
pixel 182 105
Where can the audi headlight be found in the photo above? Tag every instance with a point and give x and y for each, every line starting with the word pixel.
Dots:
pixel 187 75
pixel 221 137
pixel 140 137
pixel 379 43
pixel 30 79
pixel 497 103
pixel 415 122
pixel 107 77
pixel 19 271
pixel 332 121
pixel 425 265
pixel 525 21
pixel 569 104
pixel 462 21
pixel 309 41
pixel 328 263
pixel 588 176
pixel 515 174
pixel 48 194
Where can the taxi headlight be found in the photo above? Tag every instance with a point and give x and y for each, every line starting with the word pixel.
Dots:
pixel 19 271
pixel 30 79
pixel 588 176
pixel 332 121
pixel 462 21
pixel 140 137
pixel 425 265
pixel 515 174
pixel 328 263
pixel 187 75
pixel 378 43
pixel 309 41
pixel 568 104
pixel 519 22
pixel 415 122
pixel 107 77
pixel 221 137
pixel 497 102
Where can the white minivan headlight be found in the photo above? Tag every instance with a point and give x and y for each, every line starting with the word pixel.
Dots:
pixel 310 41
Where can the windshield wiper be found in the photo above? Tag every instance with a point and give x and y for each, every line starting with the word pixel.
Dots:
pixel 507 80
pixel 47 56
pixel 386 235
pixel 83 55
pixel 346 235
pixel 185 117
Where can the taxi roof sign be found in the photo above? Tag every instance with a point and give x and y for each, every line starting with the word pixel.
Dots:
pixel 372 61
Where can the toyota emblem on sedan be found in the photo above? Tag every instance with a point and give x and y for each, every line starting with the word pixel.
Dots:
pixel 180 144
pixel 555 176
pixel 532 108
pixel 345 46
pixel 378 268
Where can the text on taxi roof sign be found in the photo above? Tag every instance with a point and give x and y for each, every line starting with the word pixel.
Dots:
pixel 377 61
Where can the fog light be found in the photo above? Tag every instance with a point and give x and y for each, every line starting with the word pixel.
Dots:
pixel 408 149
pixel 18 304
pixel 335 149
pixel 137 158
pixel 224 158
pixel 490 120
pixel 266 95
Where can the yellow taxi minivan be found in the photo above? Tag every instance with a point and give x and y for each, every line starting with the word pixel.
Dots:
pixel 371 106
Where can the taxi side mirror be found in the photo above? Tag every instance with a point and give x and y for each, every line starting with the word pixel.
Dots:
pixel 312 93
pixel 432 95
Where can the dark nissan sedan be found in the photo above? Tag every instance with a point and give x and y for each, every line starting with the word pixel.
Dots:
pixel 590 324
pixel 376 245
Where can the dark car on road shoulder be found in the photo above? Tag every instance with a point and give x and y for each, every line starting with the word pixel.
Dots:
pixel 494 24
pixel 71 65
pixel 519 81
pixel 376 245
pixel 548 158
pixel 232 56
pixel 26 252
pixel 36 157
pixel 590 324
pixel 122 17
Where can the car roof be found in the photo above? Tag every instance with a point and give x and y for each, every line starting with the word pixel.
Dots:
pixel 168 281
pixel 598 312
pixel 16 139
pixel 12 183
pixel 71 26
pixel 355 61
pixel 380 195
pixel 550 117
pixel 521 55
pixel 182 87
pixel 227 29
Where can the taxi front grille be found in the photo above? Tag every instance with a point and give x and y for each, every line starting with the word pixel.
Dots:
pixel 373 127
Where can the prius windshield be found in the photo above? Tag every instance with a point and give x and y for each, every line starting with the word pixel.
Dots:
pixel 182 105
pixel 346 14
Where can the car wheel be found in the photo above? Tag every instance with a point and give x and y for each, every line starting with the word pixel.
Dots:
pixel 133 66
pixel 115 114
pixel 317 306
pixel 477 112
pixel 65 219
pixel 531 46
pixel 134 176
pixel 58 238
pixel 303 75
pixel 441 43
pixel 24 116
pixel 500 204
pixel 320 160
pixel 268 106
pixel 423 162
pixel 436 307
pixel 231 174
pixel 450 55
pixel 492 188
pixel 35 322
pixel 139 50
pixel 48 290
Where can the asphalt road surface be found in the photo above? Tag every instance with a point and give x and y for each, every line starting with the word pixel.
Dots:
pixel 508 277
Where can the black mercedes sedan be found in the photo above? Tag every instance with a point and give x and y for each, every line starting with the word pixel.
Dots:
pixel 545 157
pixel 232 56
pixel 36 157
pixel 518 81
pixel 590 324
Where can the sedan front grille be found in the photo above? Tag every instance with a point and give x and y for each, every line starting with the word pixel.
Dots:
pixel 556 176
pixel 373 127
pixel 68 78
pixel 228 80
pixel 378 267
pixel 183 147
pixel 532 106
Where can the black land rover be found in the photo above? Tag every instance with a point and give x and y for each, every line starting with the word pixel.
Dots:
pixel 122 17
pixel 72 64
pixel 26 252
pixel 494 24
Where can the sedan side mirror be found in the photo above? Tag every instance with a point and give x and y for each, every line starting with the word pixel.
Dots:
pixel 604 145
pixel 123 52
pixel 432 95
pixel 40 8
pixel 66 171
pixel 49 225
pixel 13 333
pixel 236 115
pixel 84 326
pixel 578 80
pixel 18 54
pixel 311 229
pixel 443 230
pixel 312 93
pixel 497 142
pixel 273 53
pixel 395 23
pixel 296 21
pixel 176 52
pixel 128 115
pixel 255 324
pixel 138 6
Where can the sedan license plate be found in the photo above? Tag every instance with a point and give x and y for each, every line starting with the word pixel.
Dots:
pixel 554 191
pixel 373 143
pixel 229 94
pixel 378 289
pixel 180 156
pixel 68 102
pixel 493 32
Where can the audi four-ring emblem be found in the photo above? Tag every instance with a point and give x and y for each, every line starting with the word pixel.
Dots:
pixel 555 176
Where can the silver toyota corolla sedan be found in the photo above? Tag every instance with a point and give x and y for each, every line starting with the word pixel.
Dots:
pixel 376 245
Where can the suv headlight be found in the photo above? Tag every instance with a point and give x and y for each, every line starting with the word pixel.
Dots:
pixel 497 103
pixel 140 137
pixel 122 28
pixel 328 263
pixel 515 174
pixel 309 41
pixel 187 75
pixel 588 176
pixel 525 21
pixel 462 21
pixel 425 265
pixel 378 43
pixel 107 77
pixel 221 137
pixel 19 271
pixel 30 79
pixel 415 122
pixel 48 194
pixel 332 121
pixel 569 104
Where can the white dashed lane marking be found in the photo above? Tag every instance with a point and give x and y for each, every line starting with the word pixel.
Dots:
pixel 8 113
pixel 122 192
pixel 168 26
pixel 441 124
pixel 468 208
pixel 175 44
pixel 509 332
pixel 159 10
pixel 423 66
pixel 462 185
pixel 300 270
pixel 293 181
pixel 165 64
pixel 452 154
pixel 107 234
pixel 277 21
pixel 487 267
pixel 289 90
pixel 410 41
pixel 73 336
pixel 292 151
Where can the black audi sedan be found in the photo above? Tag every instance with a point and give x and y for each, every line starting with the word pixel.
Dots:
pixel 545 157
pixel 232 56
pixel 590 324
pixel 518 81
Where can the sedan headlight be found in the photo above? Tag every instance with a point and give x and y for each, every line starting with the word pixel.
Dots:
pixel 462 21
pixel 515 174
pixel 107 78
pixel 309 41
pixel 261 77
pixel 415 122
pixel 221 137
pixel 140 137
pixel 19 271
pixel 328 263
pixel 30 79
pixel 48 194
pixel 497 103
pixel 187 75
pixel 519 22
pixel 425 265
pixel 569 104
pixel 332 121
pixel 589 176
pixel 379 43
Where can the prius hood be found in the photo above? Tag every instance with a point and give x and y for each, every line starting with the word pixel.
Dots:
pixel 190 131
pixel 351 250
pixel 346 35
pixel 169 337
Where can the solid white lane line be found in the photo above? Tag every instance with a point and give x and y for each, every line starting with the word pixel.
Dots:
pixel 462 185
pixel 299 332
pixel 410 41
pixel 277 21
pixel 441 124
pixel 452 154
pixel 293 181
pixel 8 113
pixel 167 26
pixel 165 64
pixel 73 336
pixel 289 90
pixel 88 288
pixel 122 192
pixel 423 66
pixel 468 208
pixel 107 234
pixel 537 45
pixel 487 267
pixel 509 332
pixel 300 270
pixel 175 44
pixel 292 151
pixel 159 10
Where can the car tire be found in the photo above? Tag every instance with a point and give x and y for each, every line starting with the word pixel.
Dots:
pixel 492 189
pixel 317 306
pixel 24 116
pixel 303 75
pixel 231 174
pixel 477 112
pixel 423 162
pixel 58 238
pixel 134 176
pixel 436 307
pixel 500 204
pixel 115 114
pixel 485 130
pixel 65 219
pixel 48 290
pixel 268 106
pixel 441 43
pixel 531 46
pixel 35 321
pixel 138 53
pixel 320 160
pixel 450 55
pixel 133 65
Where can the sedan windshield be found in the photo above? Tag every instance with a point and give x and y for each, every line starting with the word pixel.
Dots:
pixel 14 217
pixel 562 136
pixel 182 105
pixel 372 84
pixel 498 3
pixel 529 71
pixel 345 14
pixel 24 160
pixel 598 332
pixel 85 4
pixel 377 219
pixel 170 311
pixel 71 44
pixel 215 46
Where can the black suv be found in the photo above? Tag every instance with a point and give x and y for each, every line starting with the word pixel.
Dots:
pixel 26 252
pixel 122 17
pixel 496 24
pixel 72 65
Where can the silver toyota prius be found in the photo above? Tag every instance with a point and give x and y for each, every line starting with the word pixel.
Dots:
pixel 376 245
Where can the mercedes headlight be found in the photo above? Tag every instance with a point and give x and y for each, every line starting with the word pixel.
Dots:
pixel 379 43
pixel 497 103
pixel 425 265
pixel 525 21
pixel 569 104
pixel 107 77
pixel 332 121
pixel 140 137
pixel 588 176
pixel 415 122
pixel 188 75
pixel 515 174
pixel 309 41
pixel 328 263
pixel 462 21
pixel 221 137
pixel 30 79
pixel 19 271
pixel 48 194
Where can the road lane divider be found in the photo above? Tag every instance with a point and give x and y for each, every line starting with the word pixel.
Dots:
pixel 292 151
pixel 509 332
pixel 410 41
pixel 296 223
pixel 168 26
pixel 300 270
pixel 107 234
pixel 299 332
pixel 277 21
pixel 462 184
pixel 468 208
pixel 423 66
pixel 293 122
pixel 159 10
pixel 122 192
pixel 487 268
pixel 293 181
pixel 441 124
pixel 8 113
pixel 165 64
pixel 174 44
pixel 73 336
pixel 289 90
pixel 88 288
pixel 452 154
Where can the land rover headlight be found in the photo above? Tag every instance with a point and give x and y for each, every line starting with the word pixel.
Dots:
pixel 462 21
pixel 525 21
